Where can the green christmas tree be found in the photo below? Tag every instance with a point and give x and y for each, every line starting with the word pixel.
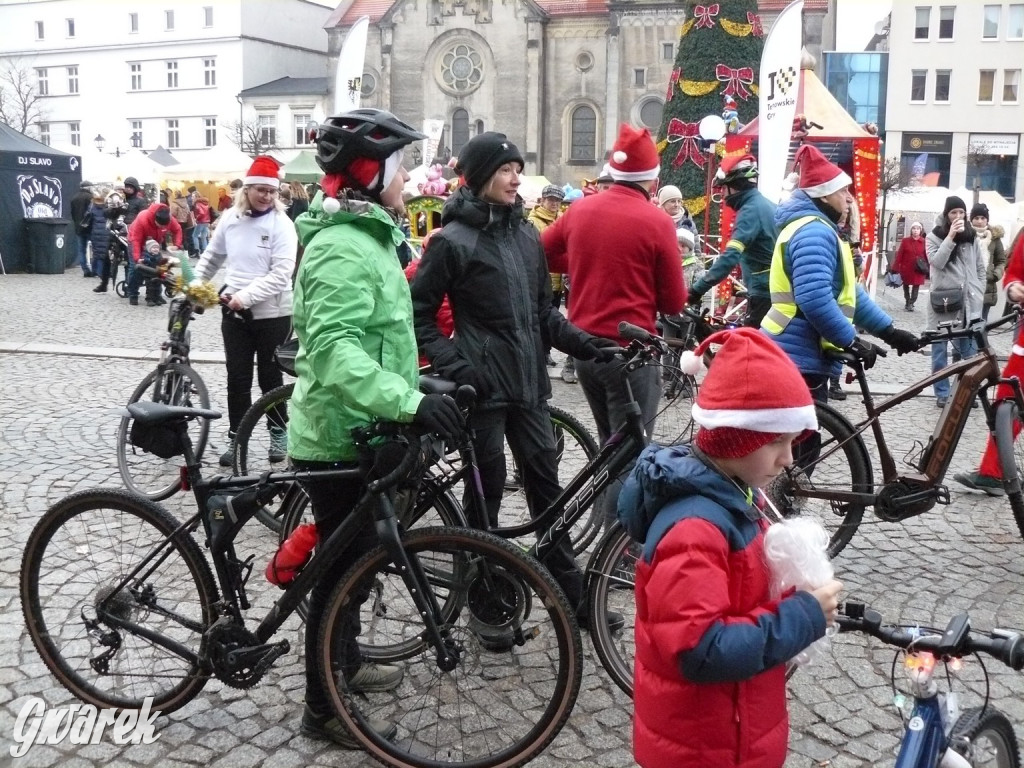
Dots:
pixel 719 56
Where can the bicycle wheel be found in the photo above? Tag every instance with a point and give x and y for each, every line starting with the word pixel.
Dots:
pixel 261 442
pixel 575 447
pixel 104 642
pixel 121 288
pixel 515 645
pixel 985 737
pixel 145 473
pixel 842 465
pixel 611 575
pixel 1010 445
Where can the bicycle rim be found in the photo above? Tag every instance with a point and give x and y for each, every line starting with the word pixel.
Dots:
pixel 145 473
pixel 517 645
pixel 253 444
pixel 1008 433
pixel 986 738
pixel 74 562
pixel 610 589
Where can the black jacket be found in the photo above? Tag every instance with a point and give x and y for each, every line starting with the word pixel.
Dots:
pixel 80 208
pixel 135 205
pixel 488 260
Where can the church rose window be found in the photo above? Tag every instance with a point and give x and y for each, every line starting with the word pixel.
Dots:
pixel 461 69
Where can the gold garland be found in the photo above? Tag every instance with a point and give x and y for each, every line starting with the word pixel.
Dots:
pixel 696 87
pixel 685 29
pixel 695 205
pixel 736 28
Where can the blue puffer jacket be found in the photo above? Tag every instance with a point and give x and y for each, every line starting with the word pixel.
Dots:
pixel 99 235
pixel 811 260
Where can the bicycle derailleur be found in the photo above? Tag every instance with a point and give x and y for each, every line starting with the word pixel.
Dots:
pixel 237 657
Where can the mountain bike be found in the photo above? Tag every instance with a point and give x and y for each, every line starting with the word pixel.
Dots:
pixel 173 382
pixel 121 604
pixel 937 732
pixel 838 485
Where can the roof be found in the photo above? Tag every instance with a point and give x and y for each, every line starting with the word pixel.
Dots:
pixel 16 141
pixel 289 86
pixel 780 5
pixel 349 12
pixel 573 7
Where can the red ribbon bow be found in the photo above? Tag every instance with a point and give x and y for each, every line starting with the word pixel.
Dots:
pixel 755 22
pixel 672 80
pixel 703 14
pixel 737 79
pixel 686 134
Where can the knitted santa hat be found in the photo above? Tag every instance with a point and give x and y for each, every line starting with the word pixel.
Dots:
pixel 634 156
pixel 264 170
pixel 752 394
pixel 818 177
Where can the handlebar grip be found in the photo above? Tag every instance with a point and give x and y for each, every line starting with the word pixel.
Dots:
pixel 631 332
pixel 386 457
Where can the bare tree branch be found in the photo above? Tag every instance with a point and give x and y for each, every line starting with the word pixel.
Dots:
pixel 20 100
pixel 893 177
pixel 249 136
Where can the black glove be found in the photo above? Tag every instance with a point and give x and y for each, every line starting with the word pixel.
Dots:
pixel 439 414
pixel 694 297
pixel 600 350
pixel 904 342
pixel 865 351
pixel 478 377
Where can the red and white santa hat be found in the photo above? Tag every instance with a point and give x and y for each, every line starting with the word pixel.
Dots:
pixel 264 170
pixel 634 156
pixel 752 394
pixel 818 177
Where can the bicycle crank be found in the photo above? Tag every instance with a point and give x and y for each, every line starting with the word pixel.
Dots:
pixel 903 499
pixel 239 659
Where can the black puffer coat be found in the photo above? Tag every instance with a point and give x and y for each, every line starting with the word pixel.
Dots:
pixel 99 235
pixel 488 260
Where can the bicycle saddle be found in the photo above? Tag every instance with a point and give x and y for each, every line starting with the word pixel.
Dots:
pixel 435 385
pixel 147 412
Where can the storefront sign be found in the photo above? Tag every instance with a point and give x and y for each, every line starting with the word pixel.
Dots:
pixel 935 143
pixel 994 143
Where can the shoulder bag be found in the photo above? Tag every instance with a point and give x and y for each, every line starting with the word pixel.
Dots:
pixel 947 301
pixel 921 266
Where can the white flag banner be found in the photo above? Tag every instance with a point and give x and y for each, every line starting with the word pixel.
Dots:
pixel 433 129
pixel 779 84
pixel 348 79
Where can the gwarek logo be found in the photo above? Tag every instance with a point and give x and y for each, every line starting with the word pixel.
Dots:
pixel 81 724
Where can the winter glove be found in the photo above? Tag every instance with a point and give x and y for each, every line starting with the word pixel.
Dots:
pixel 694 297
pixel 865 351
pixel 600 350
pixel 439 414
pixel 477 377
pixel 904 342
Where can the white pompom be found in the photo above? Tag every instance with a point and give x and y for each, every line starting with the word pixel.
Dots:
pixel 619 156
pixel 331 205
pixel 691 364
pixel 791 182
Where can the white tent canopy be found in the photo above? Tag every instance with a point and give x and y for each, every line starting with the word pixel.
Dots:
pixel 107 169
pixel 219 162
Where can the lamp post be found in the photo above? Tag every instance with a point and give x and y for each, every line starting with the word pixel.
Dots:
pixel 99 141
pixel 711 129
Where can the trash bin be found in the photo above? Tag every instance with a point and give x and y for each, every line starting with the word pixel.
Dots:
pixel 48 243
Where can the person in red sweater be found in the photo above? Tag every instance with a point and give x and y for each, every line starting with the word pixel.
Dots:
pixel 911 249
pixel 621 255
pixel 154 223
pixel 989 477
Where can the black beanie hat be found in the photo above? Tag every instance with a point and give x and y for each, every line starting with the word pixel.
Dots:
pixel 132 182
pixel 483 155
pixel 163 216
pixel 952 203
pixel 979 209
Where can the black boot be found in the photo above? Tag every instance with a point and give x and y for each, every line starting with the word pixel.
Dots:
pixel 101 288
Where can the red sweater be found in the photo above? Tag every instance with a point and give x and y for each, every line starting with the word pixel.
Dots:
pixel 622 259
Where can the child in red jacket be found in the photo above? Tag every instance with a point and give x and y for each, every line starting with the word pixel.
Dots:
pixel 714 627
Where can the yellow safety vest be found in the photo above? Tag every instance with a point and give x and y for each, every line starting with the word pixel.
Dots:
pixel 783 299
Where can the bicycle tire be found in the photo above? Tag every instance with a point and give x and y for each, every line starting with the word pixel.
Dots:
pixel 1010 447
pixel 575 446
pixel 847 469
pixel 251 456
pixel 986 731
pixel 145 473
pixel 499 705
pixel 611 576
pixel 121 288
pixel 93 539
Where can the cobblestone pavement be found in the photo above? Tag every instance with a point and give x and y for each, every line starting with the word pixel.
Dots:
pixel 57 427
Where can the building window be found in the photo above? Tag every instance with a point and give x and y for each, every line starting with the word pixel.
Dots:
pixel 71 27
pixel 210 71
pixel 75 131
pixel 268 130
pixel 172 74
pixel 133 22
pixel 584 61
pixel 668 51
pixel 990 25
pixel 168 20
pixel 640 78
pixel 460 69
pixel 210 126
pixel 650 114
pixel 942 77
pixel 136 70
pixel 72 79
pixel 986 85
pixel 40 31
pixel 1015 23
pixel 918 82
pixel 946 14
pixel 43 82
pixel 922 20
pixel 1011 85
pixel 302 129
pixel 460 130
pixel 173 139
pixel 367 85
pixel 136 133
pixel 207 15
pixel 583 142
pixel 44 133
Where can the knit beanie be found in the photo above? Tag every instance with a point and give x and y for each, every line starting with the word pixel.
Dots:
pixel 483 155
pixel 752 394
pixel 980 209
pixel 669 192
pixel 952 203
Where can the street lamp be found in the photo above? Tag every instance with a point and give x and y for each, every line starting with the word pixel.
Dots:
pixel 711 129
pixel 136 140
pixel 99 141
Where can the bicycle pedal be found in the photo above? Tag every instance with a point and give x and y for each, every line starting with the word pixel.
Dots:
pixel 942 495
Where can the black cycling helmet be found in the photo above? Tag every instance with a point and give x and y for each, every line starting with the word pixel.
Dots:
pixel 370 133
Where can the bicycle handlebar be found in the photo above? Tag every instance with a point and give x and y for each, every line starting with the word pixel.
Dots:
pixel 955 641
pixel 947 332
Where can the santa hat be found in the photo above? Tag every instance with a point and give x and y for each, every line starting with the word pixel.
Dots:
pixel 752 394
pixel 818 176
pixel 735 161
pixel 264 170
pixel 634 156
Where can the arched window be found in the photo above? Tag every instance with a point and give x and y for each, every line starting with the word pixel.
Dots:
pixel 460 130
pixel 583 142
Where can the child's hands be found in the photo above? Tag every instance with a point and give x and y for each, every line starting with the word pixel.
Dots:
pixel 828 598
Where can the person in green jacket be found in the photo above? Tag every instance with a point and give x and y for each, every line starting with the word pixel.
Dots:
pixel 357 362
pixel 751 243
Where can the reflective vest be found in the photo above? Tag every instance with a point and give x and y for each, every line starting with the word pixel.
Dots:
pixel 784 307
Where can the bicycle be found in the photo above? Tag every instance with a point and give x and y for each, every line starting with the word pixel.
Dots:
pixel 839 484
pixel 142 467
pixel 122 604
pixel 937 733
